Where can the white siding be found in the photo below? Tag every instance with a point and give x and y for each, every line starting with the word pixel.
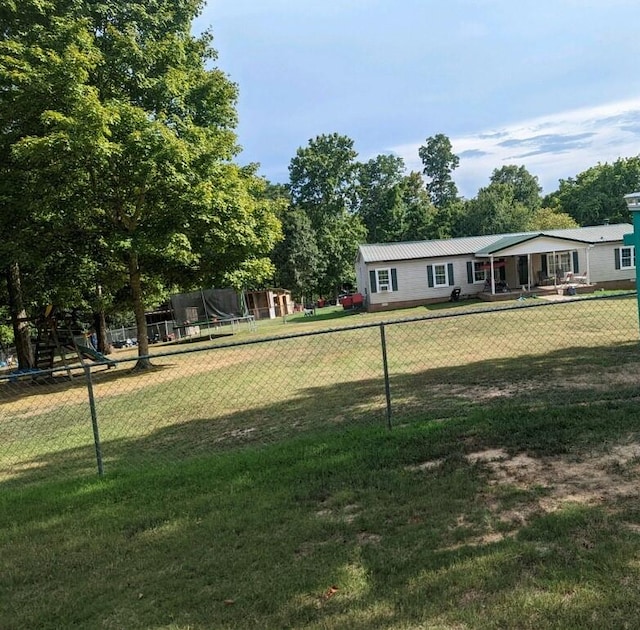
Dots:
pixel 362 280
pixel 542 244
pixel 413 283
pixel 602 265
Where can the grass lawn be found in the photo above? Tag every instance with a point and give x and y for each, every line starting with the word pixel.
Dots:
pixel 222 397
pixel 257 486
pixel 484 522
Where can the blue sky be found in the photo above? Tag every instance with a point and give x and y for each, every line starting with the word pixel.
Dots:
pixel 551 84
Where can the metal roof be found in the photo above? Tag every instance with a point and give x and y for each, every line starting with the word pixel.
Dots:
pixel 384 252
pixel 504 242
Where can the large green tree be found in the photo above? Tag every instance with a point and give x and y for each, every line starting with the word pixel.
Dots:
pixel 525 186
pixel 550 219
pixel 45 61
pixel 150 145
pixel 507 204
pixel 419 212
pixel 322 177
pixel 380 203
pixel 323 184
pixel 235 233
pixel 297 258
pixel 494 211
pixel 439 162
pixel 393 206
pixel 596 195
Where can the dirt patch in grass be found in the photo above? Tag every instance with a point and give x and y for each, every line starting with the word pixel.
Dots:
pixel 522 487
pixel 367 538
pixel 590 480
pixel 613 376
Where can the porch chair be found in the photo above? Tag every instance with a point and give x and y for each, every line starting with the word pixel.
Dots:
pixel 455 294
pixel 544 279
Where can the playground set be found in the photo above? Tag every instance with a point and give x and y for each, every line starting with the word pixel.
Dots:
pixel 59 333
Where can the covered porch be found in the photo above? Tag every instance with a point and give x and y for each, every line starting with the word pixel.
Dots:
pixel 537 292
pixel 528 265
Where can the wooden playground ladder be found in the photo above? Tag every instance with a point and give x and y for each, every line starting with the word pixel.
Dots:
pixel 49 342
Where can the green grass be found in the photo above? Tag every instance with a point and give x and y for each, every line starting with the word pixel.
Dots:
pixel 257 486
pixel 330 530
pixel 221 398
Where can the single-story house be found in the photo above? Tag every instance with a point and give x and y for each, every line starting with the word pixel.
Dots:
pixel 397 275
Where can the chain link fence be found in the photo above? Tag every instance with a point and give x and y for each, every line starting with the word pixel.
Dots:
pixel 208 397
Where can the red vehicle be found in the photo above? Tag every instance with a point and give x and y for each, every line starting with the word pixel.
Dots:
pixel 352 301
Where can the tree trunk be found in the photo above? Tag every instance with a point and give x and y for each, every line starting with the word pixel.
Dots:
pixel 100 327
pixel 138 308
pixel 19 319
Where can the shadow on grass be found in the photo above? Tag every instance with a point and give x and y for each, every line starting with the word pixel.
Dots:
pixel 323 315
pixel 333 530
pixel 511 403
pixel 460 304
pixel 60 382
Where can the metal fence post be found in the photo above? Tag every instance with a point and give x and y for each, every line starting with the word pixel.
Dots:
pixel 94 419
pixel 385 367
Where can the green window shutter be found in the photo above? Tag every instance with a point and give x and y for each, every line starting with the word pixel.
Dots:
pixel 450 274
pixel 470 274
pixel 372 281
pixel 430 275
pixel 394 279
pixel 576 266
pixel 543 259
pixel 616 255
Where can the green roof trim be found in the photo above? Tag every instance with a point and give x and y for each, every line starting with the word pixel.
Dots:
pixel 506 242
pixel 517 239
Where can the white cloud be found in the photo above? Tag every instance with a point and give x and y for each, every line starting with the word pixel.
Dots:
pixel 552 147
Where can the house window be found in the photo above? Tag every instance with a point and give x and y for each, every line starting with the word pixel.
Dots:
pixel 559 264
pixel 627 257
pixel 480 274
pixel 440 276
pixel 383 278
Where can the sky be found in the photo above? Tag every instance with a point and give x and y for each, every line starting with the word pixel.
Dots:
pixel 553 85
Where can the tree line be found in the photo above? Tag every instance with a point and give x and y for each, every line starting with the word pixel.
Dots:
pixel 334 203
pixel 120 181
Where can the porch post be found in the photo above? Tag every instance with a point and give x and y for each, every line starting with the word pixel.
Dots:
pixel 528 272
pixel 493 280
pixel 633 203
pixel 588 270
